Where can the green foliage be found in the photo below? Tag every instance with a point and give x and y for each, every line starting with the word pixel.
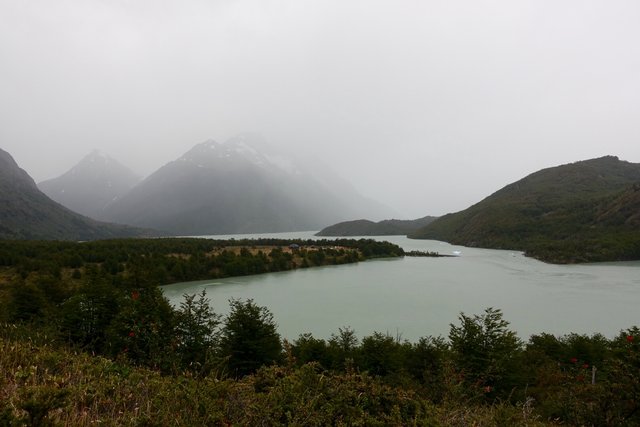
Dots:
pixel 86 315
pixel 342 348
pixel 145 262
pixel 249 338
pixel 27 301
pixel 485 351
pixel 307 349
pixel 623 377
pixel 197 333
pixel 481 375
pixel 143 330
pixel 77 389
pixel 38 401
pixel 103 297
pixel 380 354
pixel 426 362
pixel 384 382
pixel 312 397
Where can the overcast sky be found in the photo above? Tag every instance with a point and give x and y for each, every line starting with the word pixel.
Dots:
pixel 426 106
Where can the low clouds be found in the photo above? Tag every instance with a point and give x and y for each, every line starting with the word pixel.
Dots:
pixel 425 106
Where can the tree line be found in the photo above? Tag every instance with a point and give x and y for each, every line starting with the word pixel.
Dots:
pixel 165 261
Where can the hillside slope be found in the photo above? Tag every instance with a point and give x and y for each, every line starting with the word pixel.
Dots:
pixel 364 227
pixel 27 213
pixel 579 212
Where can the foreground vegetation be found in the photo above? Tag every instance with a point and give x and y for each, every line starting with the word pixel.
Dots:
pixel 239 372
pixel 106 347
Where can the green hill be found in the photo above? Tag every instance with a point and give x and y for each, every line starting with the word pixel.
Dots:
pixel 364 227
pixel 26 213
pixel 580 212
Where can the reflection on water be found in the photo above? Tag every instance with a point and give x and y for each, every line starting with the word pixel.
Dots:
pixel 421 296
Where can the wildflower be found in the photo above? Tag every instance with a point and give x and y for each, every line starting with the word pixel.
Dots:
pixel 573 360
pixel 585 366
pixel 132 334
pixel 629 338
pixel 135 295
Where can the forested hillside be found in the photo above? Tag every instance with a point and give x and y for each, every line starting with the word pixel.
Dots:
pixel 581 212
pixel 387 227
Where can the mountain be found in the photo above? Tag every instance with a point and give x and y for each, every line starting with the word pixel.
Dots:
pixel 91 185
pixel 387 227
pixel 241 186
pixel 27 213
pixel 579 212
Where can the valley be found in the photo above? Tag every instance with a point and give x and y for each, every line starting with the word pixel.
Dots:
pixel 325 213
pixel 585 211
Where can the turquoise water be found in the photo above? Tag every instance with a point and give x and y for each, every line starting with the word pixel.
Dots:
pixel 416 297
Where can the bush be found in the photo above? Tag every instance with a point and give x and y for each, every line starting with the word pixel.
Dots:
pixel 486 352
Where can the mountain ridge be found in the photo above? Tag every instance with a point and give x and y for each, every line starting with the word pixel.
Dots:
pixel 90 185
pixel 27 213
pixel 240 186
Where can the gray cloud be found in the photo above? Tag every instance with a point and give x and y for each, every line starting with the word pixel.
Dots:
pixel 427 106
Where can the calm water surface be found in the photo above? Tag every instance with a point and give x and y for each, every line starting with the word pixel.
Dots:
pixel 417 297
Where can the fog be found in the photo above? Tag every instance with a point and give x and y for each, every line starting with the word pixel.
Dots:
pixel 426 106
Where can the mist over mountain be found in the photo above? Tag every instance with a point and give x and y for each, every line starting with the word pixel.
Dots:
pixel 241 186
pixel 27 213
pixel 91 185
pixel 578 212
pixel 331 179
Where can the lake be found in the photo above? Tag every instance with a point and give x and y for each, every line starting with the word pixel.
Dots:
pixel 415 297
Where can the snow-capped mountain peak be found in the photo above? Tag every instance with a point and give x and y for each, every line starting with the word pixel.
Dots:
pixel 96 156
pixel 239 150
pixel 243 185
